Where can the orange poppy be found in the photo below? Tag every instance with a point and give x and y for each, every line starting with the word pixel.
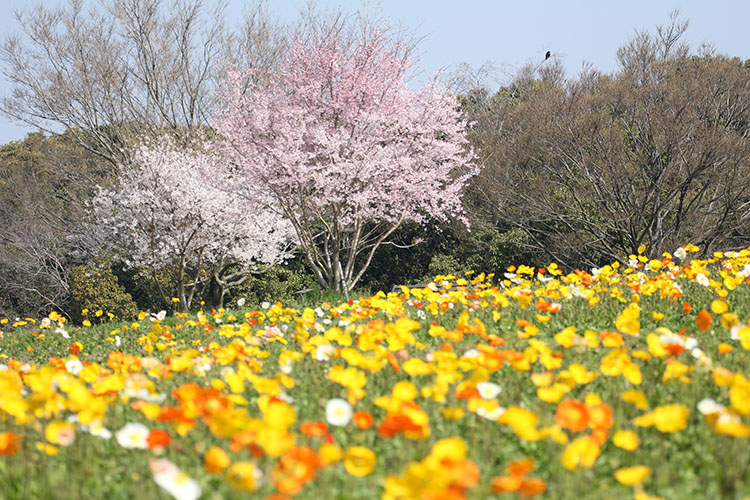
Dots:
pixel 505 484
pixel 362 419
pixel 466 391
pixel 295 468
pixel 600 415
pixel 392 361
pixel 10 442
pixel 495 341
pixel 521 467
pixel 313 429
pixel 599 435
pixel 572 415
pixel 532 487
pixel 466 473
pixel 75 348
pixel 703 320
pixel 725 348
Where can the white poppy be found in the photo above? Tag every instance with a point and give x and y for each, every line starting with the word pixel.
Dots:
pixel 158 316
pixel 73 366
pixel 97 429
pixel 286 367
pixel 488 390
pixel 708 406
pixel 490 414
pixel 133 435
pixel 471 353
pixel 324 352
pixel 174 481
pixel 338 412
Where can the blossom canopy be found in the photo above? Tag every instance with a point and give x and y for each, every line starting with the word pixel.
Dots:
pixel 341 141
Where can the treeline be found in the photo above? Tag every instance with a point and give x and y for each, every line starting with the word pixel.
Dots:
pixel 590 168
pixel 578 170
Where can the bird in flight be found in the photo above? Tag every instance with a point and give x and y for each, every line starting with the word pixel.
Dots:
pixel 546 56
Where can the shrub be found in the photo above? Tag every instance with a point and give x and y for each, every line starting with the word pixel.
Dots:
pixel 278 283
pixel 488 248
pixel 146 292
pixel 94 287
pixel 407 263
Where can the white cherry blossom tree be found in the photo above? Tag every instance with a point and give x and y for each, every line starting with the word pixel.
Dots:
pixel 168 211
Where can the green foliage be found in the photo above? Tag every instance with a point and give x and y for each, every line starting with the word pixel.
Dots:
pixel 488 246
pixel 405 262
pixel 442 264
pixel 45 183
pixel 447 249
pixel 277 283
pixel 95 287
pixel 145 290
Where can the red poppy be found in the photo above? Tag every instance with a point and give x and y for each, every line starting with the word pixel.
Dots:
pixel 157 438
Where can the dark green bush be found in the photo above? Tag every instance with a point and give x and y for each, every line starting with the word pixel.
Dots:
pixel 146 292
pixel 442 264
pixel 406 263
pixel 278 283
pixel 448 248
pixel 488 248
pixel 94 287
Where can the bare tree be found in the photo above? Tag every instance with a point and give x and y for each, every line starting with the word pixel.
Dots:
pixel 124 68
pixel 465 78
pixel 656 154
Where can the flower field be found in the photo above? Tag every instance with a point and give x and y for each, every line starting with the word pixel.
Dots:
pixel 628 381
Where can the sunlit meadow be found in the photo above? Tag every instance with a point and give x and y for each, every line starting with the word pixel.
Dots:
pixel 628 381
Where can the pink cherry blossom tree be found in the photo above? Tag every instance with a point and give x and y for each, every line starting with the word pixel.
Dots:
pixel 346 149
pixel 167 213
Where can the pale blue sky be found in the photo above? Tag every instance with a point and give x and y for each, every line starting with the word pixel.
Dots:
pixel 510 33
